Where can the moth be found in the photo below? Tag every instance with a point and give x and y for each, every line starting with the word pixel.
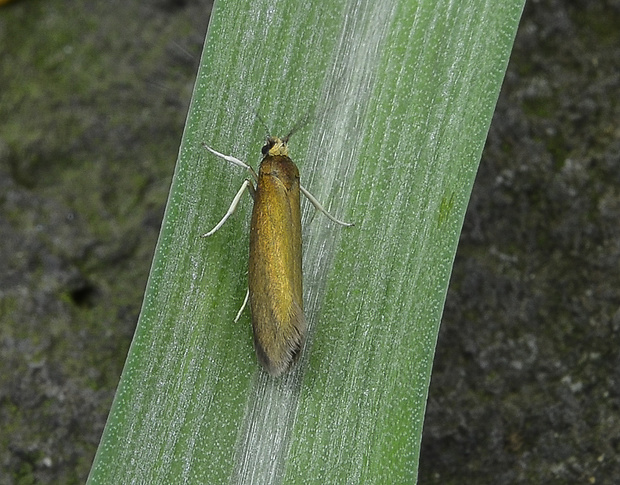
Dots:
pixel 275 282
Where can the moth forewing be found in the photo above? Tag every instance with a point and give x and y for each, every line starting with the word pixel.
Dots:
pixel 275 274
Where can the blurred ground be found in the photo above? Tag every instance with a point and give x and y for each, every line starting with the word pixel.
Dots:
pixel 92 106
pixel 526 380
pixel 525 387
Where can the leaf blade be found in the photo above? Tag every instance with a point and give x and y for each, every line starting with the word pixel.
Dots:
pixel 402 96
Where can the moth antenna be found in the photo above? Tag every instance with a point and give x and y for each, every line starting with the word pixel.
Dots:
pixel 262 121
pixel 299 124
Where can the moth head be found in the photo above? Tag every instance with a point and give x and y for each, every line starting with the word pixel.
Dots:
pixel 275 146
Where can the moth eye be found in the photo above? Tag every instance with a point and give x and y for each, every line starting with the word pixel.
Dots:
pixel 268 145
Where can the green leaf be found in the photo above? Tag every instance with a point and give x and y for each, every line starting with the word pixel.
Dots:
pixel 400 96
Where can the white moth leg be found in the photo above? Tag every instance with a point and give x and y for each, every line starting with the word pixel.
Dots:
pixel 246 185
pixel 233 160
pixel 320 208
pixel 245 302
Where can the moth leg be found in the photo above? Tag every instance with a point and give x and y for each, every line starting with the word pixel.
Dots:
pixel 246 185
pixel 245 302
pixel 320 208
pixel 233 160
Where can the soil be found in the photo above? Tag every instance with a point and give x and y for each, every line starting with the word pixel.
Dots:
pixel 92 108
pixel 526 380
